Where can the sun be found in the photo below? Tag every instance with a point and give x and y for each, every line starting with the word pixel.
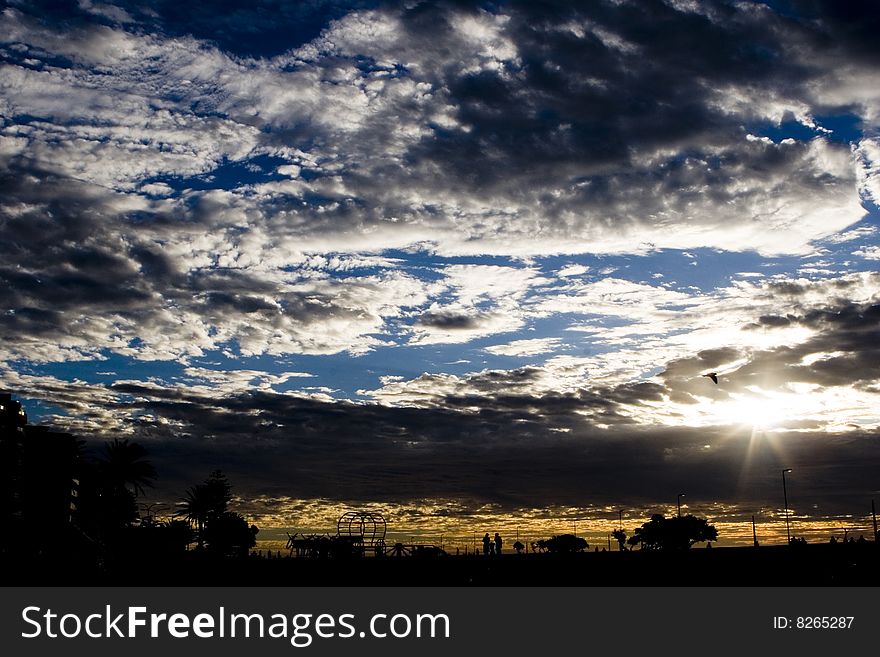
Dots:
pixel 749 409
pixel 779 408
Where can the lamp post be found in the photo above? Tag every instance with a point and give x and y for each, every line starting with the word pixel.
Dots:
pixel 785 498
pixel 680 495
pixel 148 508
pixel 620 517
pixel 874 516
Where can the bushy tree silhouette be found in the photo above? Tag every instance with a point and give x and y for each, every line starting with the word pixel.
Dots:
pixel 563 544
pixel 620 536
pixel 162 538
pixel 676 533
pixel 217 529
pixel 230 534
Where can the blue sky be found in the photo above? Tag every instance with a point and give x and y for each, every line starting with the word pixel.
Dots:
pixel 450 238
pixel 343 375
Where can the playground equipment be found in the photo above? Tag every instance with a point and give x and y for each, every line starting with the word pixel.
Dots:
pixel 366 526
pixel 358 533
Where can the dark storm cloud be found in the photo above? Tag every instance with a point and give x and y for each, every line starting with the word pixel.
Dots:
pixel 842 27
pixel 576 105
pixel 272 444
pixel 848 341
pixel 774 321
pixel 156 265
pixel 63 264
pixel 597 117
pixel 30 321
pixel 598 85
pixel 508 451
pixel 450 321
pixel 513 391
pixel 797 289
pixel 86 269
pixel 495 437
pixel 246 304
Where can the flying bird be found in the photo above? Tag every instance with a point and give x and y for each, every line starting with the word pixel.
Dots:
pixel 713 376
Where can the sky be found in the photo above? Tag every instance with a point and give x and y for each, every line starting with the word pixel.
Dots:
pixel 463 262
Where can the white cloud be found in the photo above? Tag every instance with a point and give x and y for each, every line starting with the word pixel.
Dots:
pixel 485 300
pixel 854 234
pixel 533 347
pixel 867 154
pixel 112 12
pixel 868 252
pixel 572 270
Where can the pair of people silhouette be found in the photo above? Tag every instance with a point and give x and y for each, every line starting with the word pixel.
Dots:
pixel 491 546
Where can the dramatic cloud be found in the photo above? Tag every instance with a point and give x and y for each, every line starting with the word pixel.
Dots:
pixel 467 132
pixel 446 250
pixel 507 447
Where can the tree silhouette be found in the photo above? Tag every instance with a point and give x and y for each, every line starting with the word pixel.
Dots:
pixel 195 507
pixel 229 534
pixel 676 533
pixel 620 536
pixel 164 538
pixel 563 544
pixel 217 528
pixel 207 500
pixel 108 488
pixel 124 464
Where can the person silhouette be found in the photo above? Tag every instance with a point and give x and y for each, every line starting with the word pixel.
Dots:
pixel 497 543
pixel 486 543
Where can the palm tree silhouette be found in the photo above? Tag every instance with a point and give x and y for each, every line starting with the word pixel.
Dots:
pixel 124 464
pixel 205 502
pixel 196 507
pixel 109 485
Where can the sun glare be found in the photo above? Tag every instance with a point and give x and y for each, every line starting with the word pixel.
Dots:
pixel 747 409
pixel 793 407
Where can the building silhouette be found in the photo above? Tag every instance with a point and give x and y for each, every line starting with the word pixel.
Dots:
pixel 38 482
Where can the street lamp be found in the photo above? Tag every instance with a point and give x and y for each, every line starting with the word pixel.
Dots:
pixel 680 495
pixel 620 519
pixel 148 508
pixel 785 497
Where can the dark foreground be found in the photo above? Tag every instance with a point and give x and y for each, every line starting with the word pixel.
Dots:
pixel 807 565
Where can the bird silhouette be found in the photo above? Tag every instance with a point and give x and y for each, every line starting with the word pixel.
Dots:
pixel 713 376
